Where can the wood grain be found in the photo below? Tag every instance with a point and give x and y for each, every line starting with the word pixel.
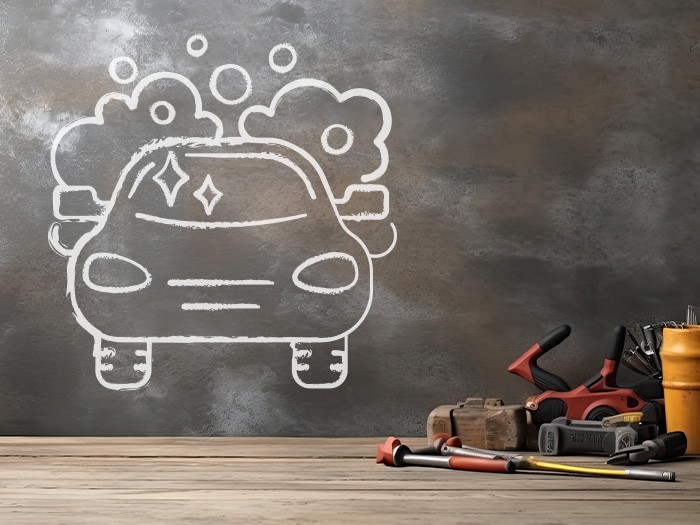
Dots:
pixel 331 480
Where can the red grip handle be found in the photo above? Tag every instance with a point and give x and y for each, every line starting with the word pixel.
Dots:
pixel 481 464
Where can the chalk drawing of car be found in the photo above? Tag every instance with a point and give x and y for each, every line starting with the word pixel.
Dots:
pixel 219 240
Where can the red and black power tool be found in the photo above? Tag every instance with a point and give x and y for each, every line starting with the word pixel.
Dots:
pixel 595 399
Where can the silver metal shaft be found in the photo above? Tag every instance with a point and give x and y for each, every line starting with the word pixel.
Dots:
pixel 650 475
pixel 426 461
pixel 447 450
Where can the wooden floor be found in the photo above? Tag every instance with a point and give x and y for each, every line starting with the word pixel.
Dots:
pixel 259 480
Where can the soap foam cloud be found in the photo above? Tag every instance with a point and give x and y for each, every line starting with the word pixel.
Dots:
pixel 302 113
pixel 92 151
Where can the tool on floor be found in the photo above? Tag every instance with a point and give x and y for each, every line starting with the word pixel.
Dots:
pixel 668 446
pixel 393 453
pixel 481 422
pixel 595 399
pixel 454 447
pixel 570 436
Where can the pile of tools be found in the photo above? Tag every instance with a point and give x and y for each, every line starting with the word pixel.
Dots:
pixel 619 437
pixel 602 395
pixel 626 423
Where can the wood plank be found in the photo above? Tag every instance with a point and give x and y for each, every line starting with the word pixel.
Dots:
pixel 194 447
pixel 189 480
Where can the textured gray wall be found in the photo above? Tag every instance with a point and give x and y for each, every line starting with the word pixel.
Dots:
pixel 544 169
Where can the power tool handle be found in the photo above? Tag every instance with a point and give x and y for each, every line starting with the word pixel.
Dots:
pixel 554 337
pixel 615 353
pixel 547 380
pixel 526 365
pixel 671 445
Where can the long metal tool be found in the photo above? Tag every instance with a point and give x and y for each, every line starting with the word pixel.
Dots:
pixel 453 446
pixel 394 454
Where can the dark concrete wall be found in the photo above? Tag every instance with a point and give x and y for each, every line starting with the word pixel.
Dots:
pixel 544 168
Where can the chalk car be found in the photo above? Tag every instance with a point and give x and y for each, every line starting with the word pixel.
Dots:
pixel 229 240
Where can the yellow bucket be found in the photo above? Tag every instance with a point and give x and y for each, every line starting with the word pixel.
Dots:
pixel 680 359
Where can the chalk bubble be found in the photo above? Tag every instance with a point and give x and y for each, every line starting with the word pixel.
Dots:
pixel 213 87
pixel 113 70
pixel 276 67
pixel 198 52
pixel 342 149
pixel 168 106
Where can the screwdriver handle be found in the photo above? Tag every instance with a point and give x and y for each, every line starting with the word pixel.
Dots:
pixel 481 464
pixel 671 445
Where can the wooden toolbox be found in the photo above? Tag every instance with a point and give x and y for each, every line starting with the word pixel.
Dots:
pixel 483 423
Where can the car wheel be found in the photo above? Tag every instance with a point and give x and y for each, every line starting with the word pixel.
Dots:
pixel 320 364
pixel 600 412
pixel 122 365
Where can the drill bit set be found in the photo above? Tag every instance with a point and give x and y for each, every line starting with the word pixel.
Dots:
pixel 641 353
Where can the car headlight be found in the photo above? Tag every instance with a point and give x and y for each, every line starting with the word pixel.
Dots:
pixel 318 273
pixel 112 273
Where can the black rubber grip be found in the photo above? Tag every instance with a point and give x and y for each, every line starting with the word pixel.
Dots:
pixel 546 380
pixel 562 438
pixel 553 338
pixel 671 445
pixel 615 352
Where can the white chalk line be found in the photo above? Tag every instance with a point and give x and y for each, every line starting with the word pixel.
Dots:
pixel 168 107
pixel 203 225
pixel 213 307
pixel 113 70
pixel 390 248
pixel 342 149
pixel 139 177
pixel 379 140
pixel 171 194
pixel 219 282
pixel 197 38
pixel 215 90
pixel 208 203
pixel 366 188
pixel 276 67
pixel 325 289
pixel 58 191
pixel 114 289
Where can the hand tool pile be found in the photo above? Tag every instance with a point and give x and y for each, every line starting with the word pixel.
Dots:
pixel 569 436
pixel 625 438
pixel 448 452
pixel 602 395
pixel 592 418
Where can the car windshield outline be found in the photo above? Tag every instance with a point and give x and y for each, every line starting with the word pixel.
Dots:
pixel 171 194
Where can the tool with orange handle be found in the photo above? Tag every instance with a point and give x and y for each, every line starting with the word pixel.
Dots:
pixel 394 454
pixel 453 446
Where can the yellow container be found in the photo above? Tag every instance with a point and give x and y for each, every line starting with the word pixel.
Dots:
pixel 680 359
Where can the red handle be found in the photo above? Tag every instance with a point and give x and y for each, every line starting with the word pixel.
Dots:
pixel 481 464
